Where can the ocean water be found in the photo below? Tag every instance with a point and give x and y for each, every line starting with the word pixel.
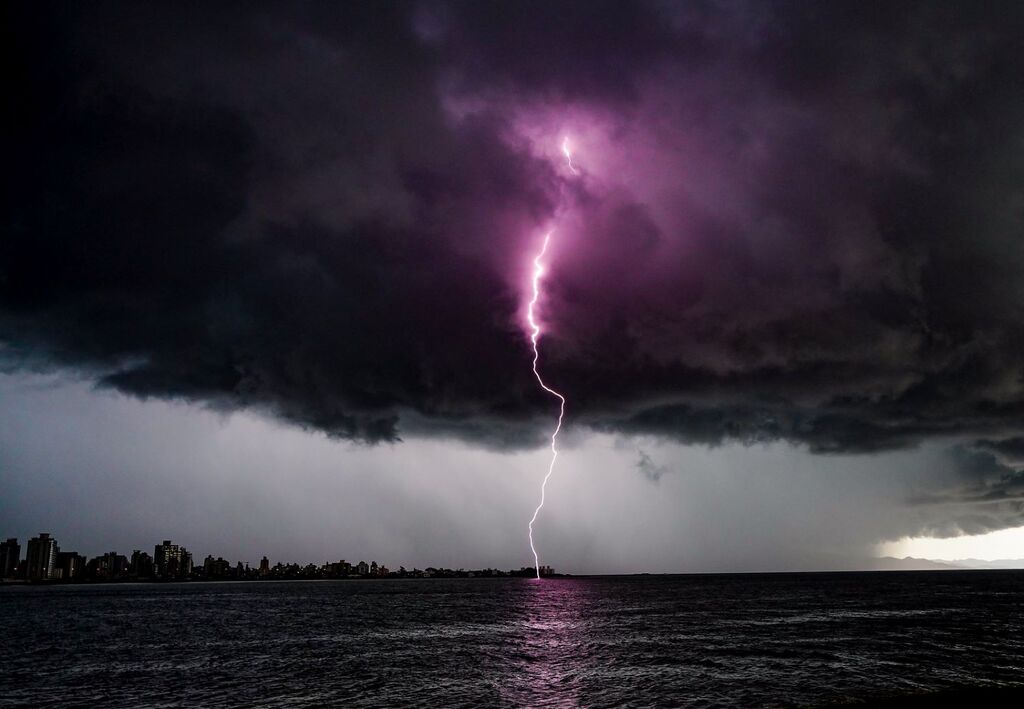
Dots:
pixel 716 640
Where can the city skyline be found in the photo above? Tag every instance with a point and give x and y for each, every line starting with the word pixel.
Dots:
pixel 168 558
pixel 45 561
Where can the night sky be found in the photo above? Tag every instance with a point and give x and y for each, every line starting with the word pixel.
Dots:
pixel 264 273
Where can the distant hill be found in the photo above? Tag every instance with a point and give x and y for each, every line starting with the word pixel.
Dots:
pixel 982 564
pixel 909 563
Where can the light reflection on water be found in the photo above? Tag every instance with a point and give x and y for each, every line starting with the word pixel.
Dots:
pixel 548 654
pixel 606 642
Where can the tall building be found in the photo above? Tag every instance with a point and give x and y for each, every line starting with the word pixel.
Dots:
pixel 10 555
pixel 69 565
pixel 40 557
pixel 141 565
pixel 218 568
pixel 109 566
pixel 171 561
pixel 264 566
pixel 185 567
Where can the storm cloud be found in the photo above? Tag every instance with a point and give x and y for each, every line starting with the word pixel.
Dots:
pixel 794 221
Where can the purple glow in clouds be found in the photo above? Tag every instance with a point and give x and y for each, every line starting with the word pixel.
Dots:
pixel 567 151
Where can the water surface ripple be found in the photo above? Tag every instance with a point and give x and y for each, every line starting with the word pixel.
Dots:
pixel 718 640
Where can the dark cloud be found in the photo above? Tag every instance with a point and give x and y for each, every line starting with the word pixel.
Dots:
pixel 593 51
pixel 795 221
pixel 1009 450
pixel 982 495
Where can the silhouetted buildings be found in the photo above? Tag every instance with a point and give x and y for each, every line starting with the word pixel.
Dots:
pixel 339 569
pixel 171 561
pixel 70 566
pixel 41 557
pixel 10 557
pixel 109 567
pixel 141 565
pixel 218 568
pixel 45 562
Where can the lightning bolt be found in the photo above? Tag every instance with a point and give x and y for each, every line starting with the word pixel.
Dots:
pixel 535 330
pixel 568 155
pixel 538 274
